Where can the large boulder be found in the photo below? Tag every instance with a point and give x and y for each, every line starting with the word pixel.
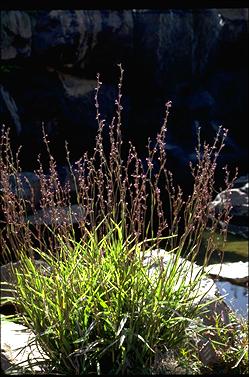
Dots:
pixel 240 207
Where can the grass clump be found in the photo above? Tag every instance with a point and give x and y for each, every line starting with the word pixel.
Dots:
pixel 98 307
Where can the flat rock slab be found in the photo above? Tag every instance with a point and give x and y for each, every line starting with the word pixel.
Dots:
pixel 18 350
pixel 237 273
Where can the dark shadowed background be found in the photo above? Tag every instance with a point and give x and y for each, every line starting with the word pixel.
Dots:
pixel 198 58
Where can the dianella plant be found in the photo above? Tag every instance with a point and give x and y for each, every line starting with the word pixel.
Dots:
pixel 96 306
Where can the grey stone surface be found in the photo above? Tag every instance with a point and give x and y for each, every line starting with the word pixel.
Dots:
pixel 239 199
pixel 207 293
pixel 237 272
pixel 188 272
pixel 236 297
pixel 18 350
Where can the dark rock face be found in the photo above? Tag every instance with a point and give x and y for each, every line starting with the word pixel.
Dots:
pixel 16 34
pixel 9 110
pixel 196 58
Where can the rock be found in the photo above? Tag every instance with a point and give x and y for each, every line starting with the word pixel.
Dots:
pixel 78 37
pixel 240 206
pixel 158 33
pixel 207 293
pixel 73 104
pixel 235 296
pixel 241 181
pixel 187 271
pixel 18 352
pixel 16 34
pixel 9 111
pixel 67 37
pixel 239 198
pixel 234 13
pixel 75 86
pixel 238 230
pixel 206 349
pixel 236 273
